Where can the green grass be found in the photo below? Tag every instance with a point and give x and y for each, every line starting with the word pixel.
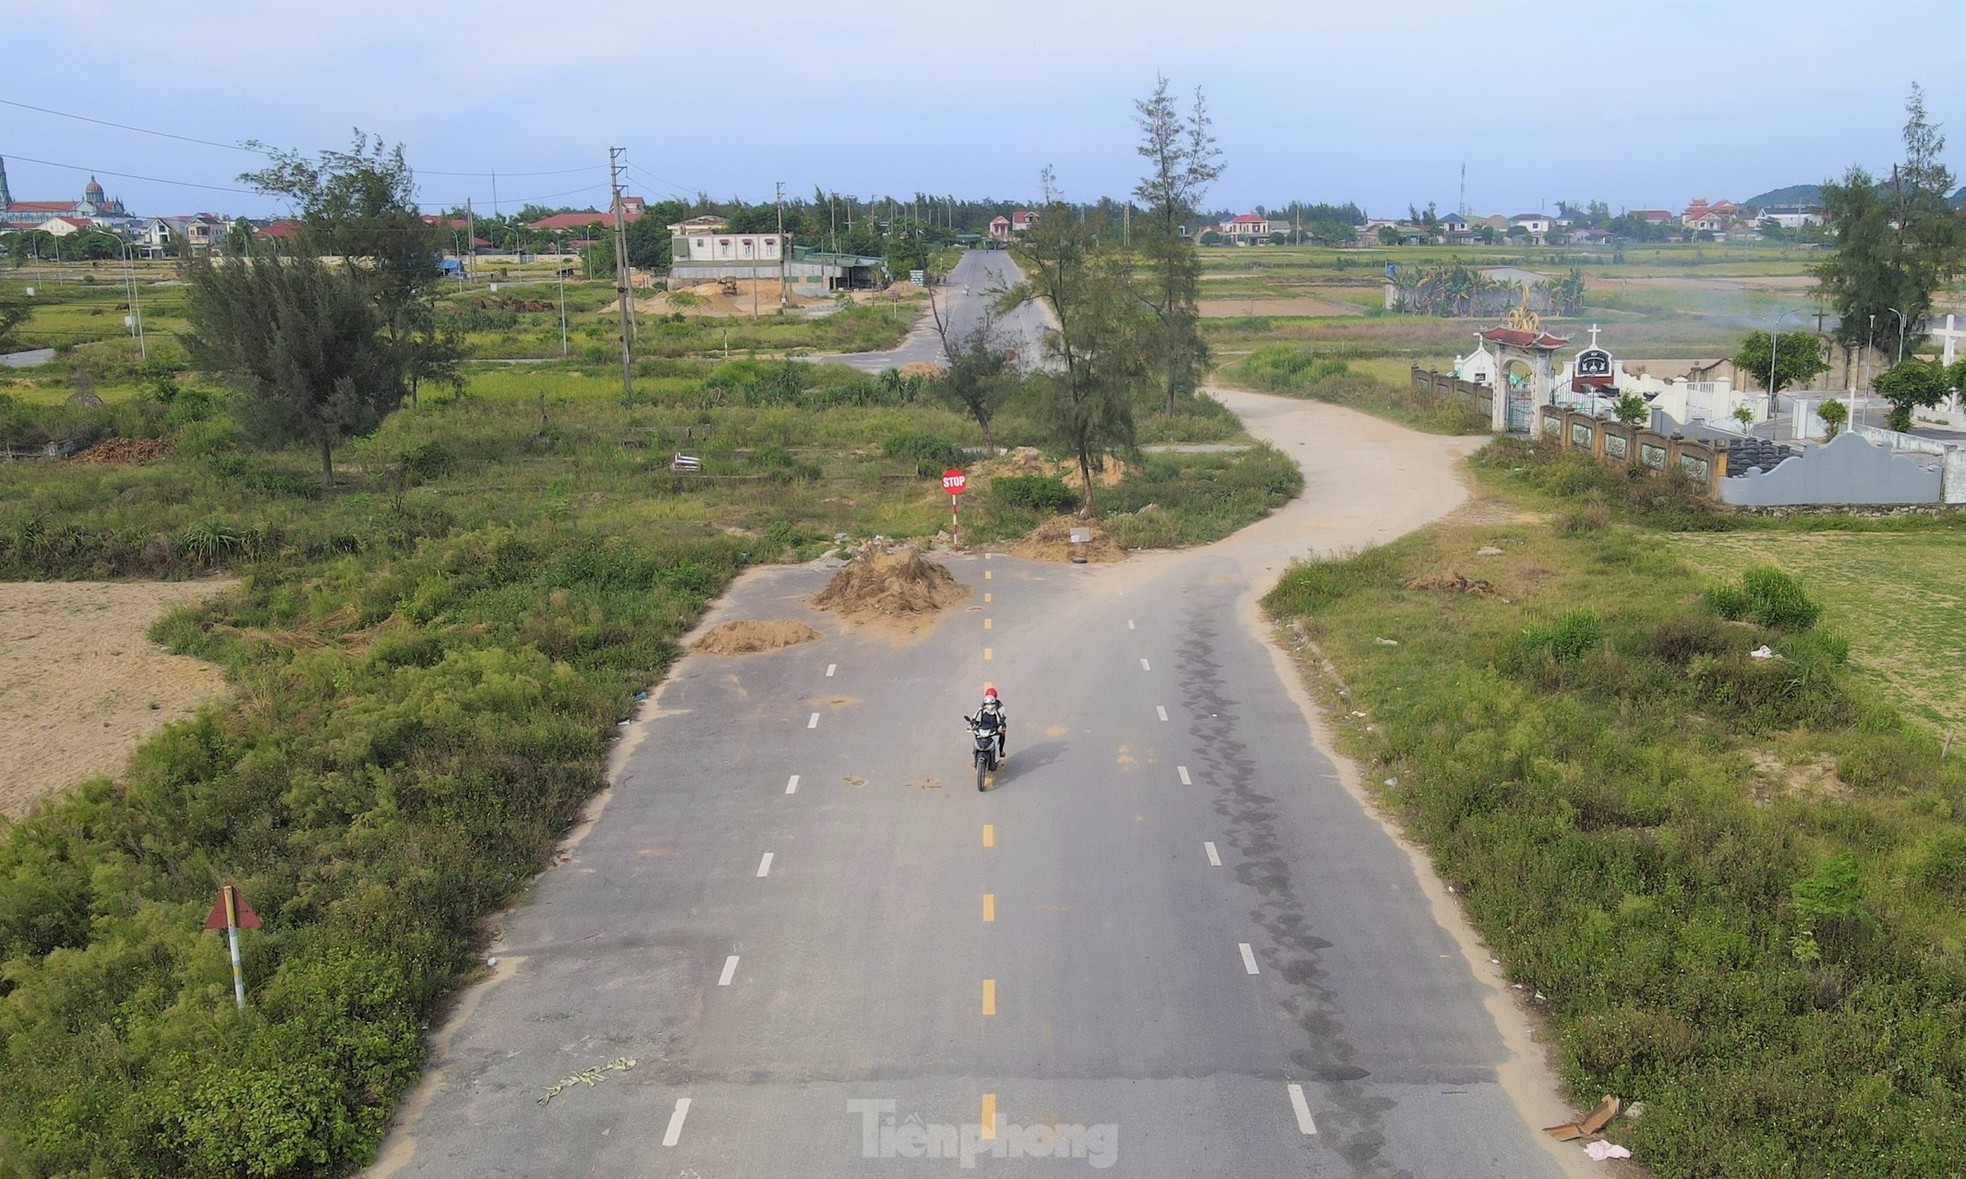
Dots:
pixel 1897 595
pixel 1380 387
pixel 1737 883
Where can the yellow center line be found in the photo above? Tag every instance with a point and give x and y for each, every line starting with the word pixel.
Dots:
pixel 986 624
pixel 989 835
pixel 986 597
pixel 989 906
pixel 986 575
pixel 988 654
pixel 989 1116
pixel 989 996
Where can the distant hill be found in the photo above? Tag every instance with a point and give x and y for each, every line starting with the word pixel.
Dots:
pixel 1795 194
pixel 1959 198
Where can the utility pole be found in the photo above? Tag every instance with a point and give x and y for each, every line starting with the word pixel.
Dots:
pixel 784 299
pixel 470 237
pixel 621 270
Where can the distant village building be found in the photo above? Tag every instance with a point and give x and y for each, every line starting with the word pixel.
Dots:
pixel 1002 228
pixel 1536 225
pixel 93 209
pixel 1717 217
pixel 1791 216
pixel 1245 228
pixel 632 208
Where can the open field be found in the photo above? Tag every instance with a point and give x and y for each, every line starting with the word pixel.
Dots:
pixel 81 683
pixel 1731 885
pixel 1899 596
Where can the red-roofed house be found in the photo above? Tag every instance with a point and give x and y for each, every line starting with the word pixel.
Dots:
pixel 63 226
pixel 282 229
pixel 1021 220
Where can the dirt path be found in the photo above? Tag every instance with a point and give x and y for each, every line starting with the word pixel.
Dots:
pixel 81 685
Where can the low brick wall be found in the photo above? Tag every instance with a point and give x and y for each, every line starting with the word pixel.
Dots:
pixel 1444 385
pixel 1619 445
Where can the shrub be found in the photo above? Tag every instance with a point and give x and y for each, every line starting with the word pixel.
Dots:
pixel 931 453
pixel 1568 639
pixel 1046 494
pixel 1768 596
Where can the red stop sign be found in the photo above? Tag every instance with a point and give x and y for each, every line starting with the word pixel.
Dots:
pixel 953 481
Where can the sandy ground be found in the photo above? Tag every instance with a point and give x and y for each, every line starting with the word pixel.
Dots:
pixel 80 685
pixel 1302 305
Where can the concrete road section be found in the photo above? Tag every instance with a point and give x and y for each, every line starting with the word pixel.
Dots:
pixel 1169 939
pixel 964 296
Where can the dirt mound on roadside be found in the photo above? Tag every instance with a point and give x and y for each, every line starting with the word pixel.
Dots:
pixel 922 368
pixel 1052 541
pixel 1455 582
pixel 748 637
pixel 126 450
pixel 898 586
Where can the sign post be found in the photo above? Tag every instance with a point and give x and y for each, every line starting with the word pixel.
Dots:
pixel 232 914
pixel 953 482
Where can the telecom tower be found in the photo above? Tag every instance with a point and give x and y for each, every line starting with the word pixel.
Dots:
pixel 1463 209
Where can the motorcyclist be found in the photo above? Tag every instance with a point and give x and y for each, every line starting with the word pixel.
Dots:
pixel 990 718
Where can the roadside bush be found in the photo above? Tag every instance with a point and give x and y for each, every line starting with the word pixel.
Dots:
pixel 930 453
pixel 1044 494
pixel 1568 639
pixel 1768 596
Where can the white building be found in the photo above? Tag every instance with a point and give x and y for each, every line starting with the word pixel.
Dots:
pixel 1791 216
pixel 723 246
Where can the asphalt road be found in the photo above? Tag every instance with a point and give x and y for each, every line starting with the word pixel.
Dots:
pixel 964 297
pixel 1170 937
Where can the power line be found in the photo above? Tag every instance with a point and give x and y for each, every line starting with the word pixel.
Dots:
pixel 134 176
pixel 263 151
pixel 678 189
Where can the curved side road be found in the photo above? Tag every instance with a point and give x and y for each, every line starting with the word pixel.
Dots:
pixel 1170 940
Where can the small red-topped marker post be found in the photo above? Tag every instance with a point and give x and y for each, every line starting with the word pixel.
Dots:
pixel 233 914
pixel 953 482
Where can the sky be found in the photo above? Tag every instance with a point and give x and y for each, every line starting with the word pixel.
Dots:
pixel 1640 103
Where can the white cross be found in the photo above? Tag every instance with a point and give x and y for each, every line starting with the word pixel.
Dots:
pixel 1594 331
pixel 1951 335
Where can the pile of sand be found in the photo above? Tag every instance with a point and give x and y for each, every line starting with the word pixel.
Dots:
pixel 1454 582
pixel 922 368
pixel 1028 460
pixel 126 450
pixel 712 299
pixel 898 586
pixel 747 637
pixel 1052 541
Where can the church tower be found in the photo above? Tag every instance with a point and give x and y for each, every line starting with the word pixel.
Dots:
pixel 6 198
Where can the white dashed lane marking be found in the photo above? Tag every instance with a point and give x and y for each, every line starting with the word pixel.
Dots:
pixel 1183 771
pixel 1248 958
pixel 730 968
pixel 1162 709
pixel 792 784
pixel 814 722
pixel 764 865
pixel 1145 666
pixel 674 1133
pixel 1214 857
pixel 1303 1109
pixel 830 669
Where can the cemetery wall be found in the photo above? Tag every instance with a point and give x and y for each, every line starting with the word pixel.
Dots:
pixel 1849 469
pixel 1616 444
pixel 1480 397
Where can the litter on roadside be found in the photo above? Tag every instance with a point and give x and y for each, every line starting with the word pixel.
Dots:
pixel 1602 1150
pixel 1589 1125
pixel 1762 652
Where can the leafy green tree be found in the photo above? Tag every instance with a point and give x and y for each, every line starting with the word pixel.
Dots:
pixel 1631 410
pixel 303 342
pixel 13 313
pixel 1915 384
pixel 1388 236
pixel 1897 240
pixel 1100 341
pixel 1182 161
pixel 981 374
pixel 1834 414
pixel 1802 357
pixel 360 205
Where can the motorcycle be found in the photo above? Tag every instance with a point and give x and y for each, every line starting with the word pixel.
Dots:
pixel 985 754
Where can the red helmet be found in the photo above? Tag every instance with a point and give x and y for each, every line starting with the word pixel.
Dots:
pixel 989 693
